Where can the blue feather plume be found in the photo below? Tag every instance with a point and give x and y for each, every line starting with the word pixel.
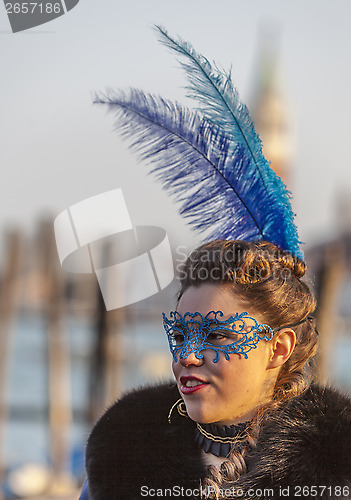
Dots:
pixel 194 161
pixel 211 160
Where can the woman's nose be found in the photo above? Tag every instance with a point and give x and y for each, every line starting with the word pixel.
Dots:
pixel 191 359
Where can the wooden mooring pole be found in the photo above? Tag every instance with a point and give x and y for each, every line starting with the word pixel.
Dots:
pixel 60 411
pixel 331 279
pixel 9 289
pixel 107 357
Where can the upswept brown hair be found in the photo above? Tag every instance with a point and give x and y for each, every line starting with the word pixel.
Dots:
pixel 269 280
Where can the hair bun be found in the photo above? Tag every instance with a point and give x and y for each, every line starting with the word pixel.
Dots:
pixel 296 265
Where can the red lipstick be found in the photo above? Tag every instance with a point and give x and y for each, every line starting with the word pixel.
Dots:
pixel 191 384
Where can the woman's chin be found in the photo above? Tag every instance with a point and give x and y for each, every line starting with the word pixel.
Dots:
pixel 199 414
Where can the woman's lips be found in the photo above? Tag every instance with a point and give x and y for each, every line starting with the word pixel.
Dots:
pixel 190 384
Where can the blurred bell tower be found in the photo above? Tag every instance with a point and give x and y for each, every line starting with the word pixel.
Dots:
pixel 269 106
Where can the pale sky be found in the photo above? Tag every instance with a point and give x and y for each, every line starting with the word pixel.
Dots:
pixel 58 149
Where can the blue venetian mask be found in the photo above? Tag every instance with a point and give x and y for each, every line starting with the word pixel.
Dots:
pixel 195 333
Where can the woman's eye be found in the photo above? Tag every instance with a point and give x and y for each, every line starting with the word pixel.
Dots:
pixel 217 337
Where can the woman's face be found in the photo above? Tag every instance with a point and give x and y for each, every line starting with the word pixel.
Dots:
pixel 229 391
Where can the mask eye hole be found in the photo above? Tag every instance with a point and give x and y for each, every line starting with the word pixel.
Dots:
pixel 176 336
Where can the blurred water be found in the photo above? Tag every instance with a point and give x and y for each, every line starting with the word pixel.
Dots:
pixel 27 439
pixel 146 358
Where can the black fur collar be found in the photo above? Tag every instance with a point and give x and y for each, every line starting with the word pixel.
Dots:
pixel 133 450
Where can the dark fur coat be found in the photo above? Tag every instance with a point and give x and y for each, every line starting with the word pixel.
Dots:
pixel 134 452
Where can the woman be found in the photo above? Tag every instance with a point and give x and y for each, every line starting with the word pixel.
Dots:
pixel 242 419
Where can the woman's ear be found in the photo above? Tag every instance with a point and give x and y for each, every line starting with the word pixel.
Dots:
pixel 282 347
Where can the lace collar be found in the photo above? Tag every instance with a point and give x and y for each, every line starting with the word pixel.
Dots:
pixel 212 438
